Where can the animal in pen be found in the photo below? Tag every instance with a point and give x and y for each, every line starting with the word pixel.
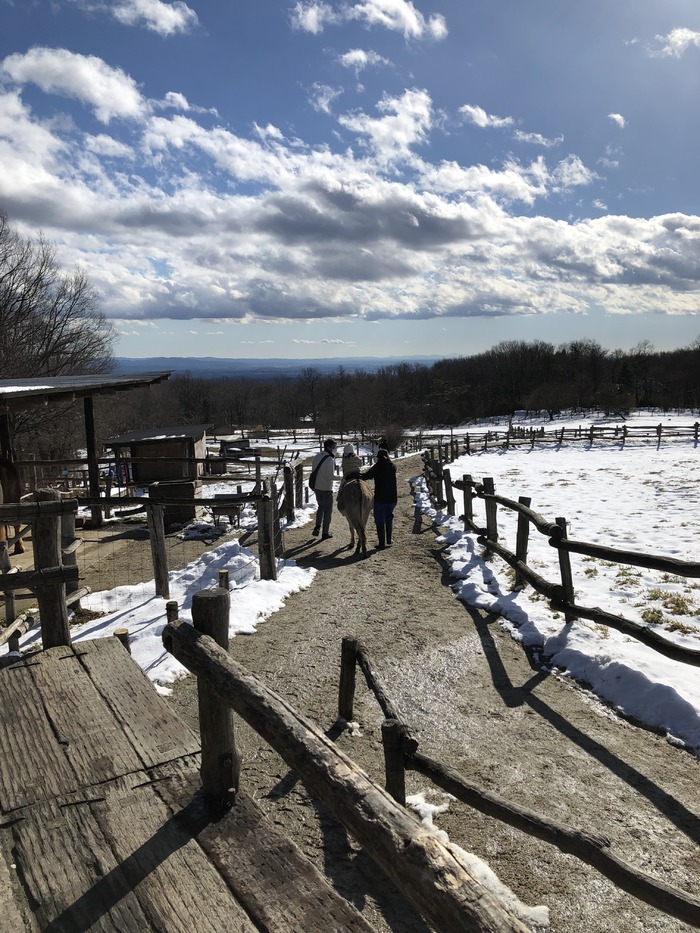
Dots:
pixel 355 501
pixel 10 491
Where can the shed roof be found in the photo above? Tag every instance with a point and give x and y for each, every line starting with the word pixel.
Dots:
pixel 186 432
pixel 18 394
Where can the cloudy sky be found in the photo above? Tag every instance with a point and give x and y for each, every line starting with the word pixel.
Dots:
pixel 369 177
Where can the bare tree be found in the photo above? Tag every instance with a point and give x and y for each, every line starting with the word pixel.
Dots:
pixel 50 321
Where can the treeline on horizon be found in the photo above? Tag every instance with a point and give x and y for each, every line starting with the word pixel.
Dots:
pixel 511 376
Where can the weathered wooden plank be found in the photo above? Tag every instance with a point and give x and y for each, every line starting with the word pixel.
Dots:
pixel 84 724
pixel 12 918
pixel 178 888
pixel 120 861
pixel 33 765
pixel 280 888
pixel 72 877
pixel 149 723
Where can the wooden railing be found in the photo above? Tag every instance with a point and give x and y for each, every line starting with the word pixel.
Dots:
pixel 431 876
pixel 561 595
pixel 401 753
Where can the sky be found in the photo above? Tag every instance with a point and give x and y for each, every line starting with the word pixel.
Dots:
pixel 361 178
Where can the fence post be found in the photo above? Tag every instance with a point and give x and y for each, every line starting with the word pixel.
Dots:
pixel 258 475
pixel 491 510
pixel 468 504
pixel 277 547
pixel 221 761
pixel 268 565
pixel 522 540
pixel 69 546
pixel 10 605
pixel 53 612
pixel 299 485
pixel 567 579
pixel 156 530
pixel 392 734
pixel 449 493
pixel 659 428
pixel 288 493
pixel 346 689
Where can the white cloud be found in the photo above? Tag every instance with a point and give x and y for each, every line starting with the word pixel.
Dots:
pixel 406 122
pixel 676 42
pixel 399 16
pixel 571 172
pixel 618 119
pixel 322 96
pixel 166 19
pixel 103 145
pixel 478 116
pixel 312 17
pixel 109 91
pixel 359 59
pixel 537 139
pixel 395 15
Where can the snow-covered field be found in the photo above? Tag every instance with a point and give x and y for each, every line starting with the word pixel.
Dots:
pixel 637 498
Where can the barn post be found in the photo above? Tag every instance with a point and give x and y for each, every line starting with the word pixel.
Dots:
pixel 221 761
pixel 46 534
pixel 522 540
pixel 93 466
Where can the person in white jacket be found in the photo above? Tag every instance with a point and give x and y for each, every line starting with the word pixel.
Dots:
pixel 324 465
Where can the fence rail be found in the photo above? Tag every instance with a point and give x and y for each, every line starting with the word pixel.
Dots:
pixel 401 753
pixel 561 595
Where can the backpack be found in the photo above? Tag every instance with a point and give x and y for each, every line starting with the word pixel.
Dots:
pixel 314 473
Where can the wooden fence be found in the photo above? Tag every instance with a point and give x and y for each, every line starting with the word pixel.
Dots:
pixel 561 594
pixel 401 753
pixel 54 579
pixel 430 875
pixel 459 442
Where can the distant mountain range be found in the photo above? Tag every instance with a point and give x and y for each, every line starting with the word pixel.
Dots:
pixel 216 367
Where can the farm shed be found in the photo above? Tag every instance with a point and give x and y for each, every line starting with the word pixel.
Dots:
pixel 170 461
pixel 21 394
pixel 169 453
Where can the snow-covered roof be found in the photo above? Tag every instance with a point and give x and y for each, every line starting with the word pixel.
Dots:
pixel 17 394
pixel 186 432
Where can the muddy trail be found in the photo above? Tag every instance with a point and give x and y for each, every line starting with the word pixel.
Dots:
pixel 474 701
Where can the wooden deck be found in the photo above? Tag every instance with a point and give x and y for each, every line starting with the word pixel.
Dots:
pixel 103 826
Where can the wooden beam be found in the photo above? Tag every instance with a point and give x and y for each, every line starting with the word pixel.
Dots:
pixel 431 875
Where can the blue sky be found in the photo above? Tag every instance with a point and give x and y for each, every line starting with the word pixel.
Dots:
pixel 371 177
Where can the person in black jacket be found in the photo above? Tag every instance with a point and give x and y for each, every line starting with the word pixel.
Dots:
pixel 385 495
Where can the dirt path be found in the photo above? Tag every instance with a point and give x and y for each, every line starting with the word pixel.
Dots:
pixel 475 702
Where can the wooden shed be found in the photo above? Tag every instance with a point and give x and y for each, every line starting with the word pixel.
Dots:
pixel 168 453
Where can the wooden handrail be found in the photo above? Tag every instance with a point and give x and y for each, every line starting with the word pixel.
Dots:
pixel 432 876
